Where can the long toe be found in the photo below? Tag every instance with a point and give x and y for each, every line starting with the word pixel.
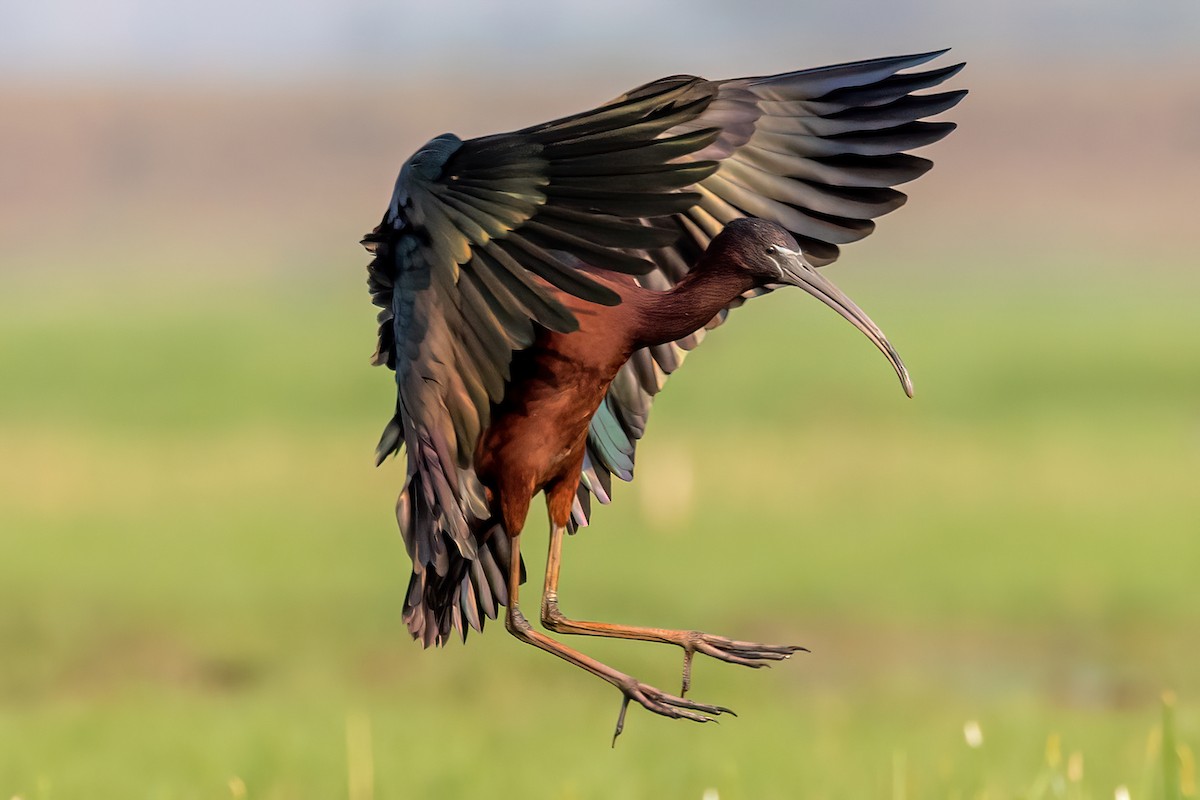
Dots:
pixel 669 705
pixel 748 654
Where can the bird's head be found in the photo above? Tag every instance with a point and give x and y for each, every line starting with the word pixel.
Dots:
pixel 771 254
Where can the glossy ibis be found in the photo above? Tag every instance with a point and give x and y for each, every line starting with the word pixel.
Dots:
pixel 539 286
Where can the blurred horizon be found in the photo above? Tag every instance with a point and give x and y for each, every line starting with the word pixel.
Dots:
pixel 287 179
pixel 276 41
pixel 135 118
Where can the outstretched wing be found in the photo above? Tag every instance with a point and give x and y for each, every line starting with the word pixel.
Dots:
pixel 474 237
pixel 817 151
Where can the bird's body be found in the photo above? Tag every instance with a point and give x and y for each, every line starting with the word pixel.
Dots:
pixel 538 433
pixel 538 287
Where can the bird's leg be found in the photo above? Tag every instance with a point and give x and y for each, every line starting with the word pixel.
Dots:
pixel 647 696
pixel 748 654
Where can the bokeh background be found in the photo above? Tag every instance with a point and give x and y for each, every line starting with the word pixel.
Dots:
pixel 200 577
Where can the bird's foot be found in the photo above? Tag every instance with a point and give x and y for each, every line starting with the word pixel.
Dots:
pixel 748 654
pixel 667 705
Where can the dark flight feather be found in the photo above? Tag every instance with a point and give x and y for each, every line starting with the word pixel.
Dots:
pixel 817 151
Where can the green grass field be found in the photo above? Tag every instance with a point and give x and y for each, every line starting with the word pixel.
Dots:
pixel 201 580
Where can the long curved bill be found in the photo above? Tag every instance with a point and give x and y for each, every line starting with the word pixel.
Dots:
pixel 798 272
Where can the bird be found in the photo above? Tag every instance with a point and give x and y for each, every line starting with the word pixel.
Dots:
pixel 538 287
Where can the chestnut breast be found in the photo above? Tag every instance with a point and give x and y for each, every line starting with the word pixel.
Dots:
pixel 539 430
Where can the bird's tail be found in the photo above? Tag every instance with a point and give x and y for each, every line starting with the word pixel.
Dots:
pixel 454 591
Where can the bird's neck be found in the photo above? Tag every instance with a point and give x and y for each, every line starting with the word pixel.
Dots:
pixel 693 302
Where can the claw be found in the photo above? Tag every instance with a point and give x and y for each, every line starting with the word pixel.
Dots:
pixel 746 654
pixel 667 705
pixel 620 720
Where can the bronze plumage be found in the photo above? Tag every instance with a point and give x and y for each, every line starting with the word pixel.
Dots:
pixel 539 286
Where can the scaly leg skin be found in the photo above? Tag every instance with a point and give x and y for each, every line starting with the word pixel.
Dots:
pixel 647 696
pixel 748 654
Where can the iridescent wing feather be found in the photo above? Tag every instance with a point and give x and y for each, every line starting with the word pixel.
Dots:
pixel 817 151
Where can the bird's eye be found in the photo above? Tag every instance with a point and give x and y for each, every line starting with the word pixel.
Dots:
pixel 772 249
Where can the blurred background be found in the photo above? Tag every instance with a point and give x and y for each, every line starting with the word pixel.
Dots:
pixel 200 577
